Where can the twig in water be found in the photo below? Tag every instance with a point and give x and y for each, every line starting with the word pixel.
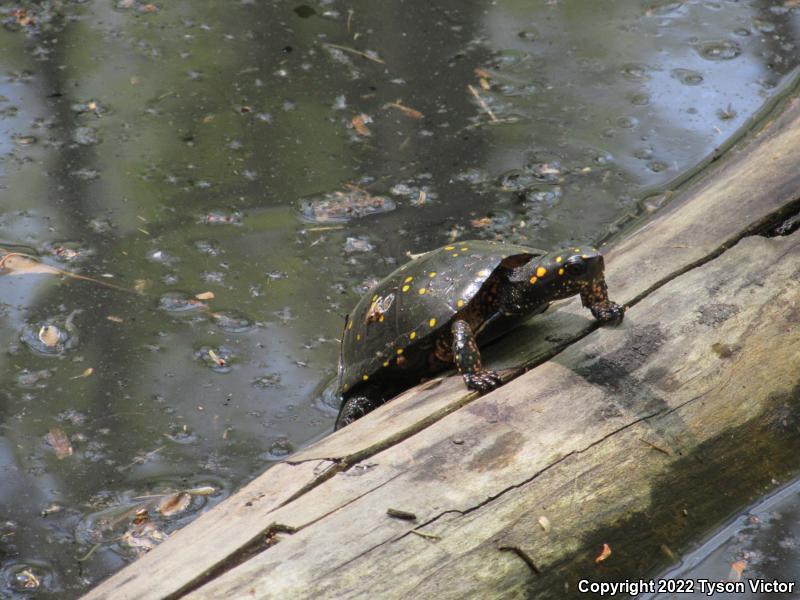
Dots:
pixel 482 102
pixel 354 51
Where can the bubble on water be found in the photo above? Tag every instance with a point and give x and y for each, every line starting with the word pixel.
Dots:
pixel 473 176
pixel 529 34
pixel 180 302
pixel 687 76
pixel 764 26
pixel 741 32
pixel 627 122
pixel 217 359
pixel 516 180
pixel 603 158
pixel 86 136
pixel 28 577
pixel 279 449
pixel 160 256
pixel 719 50
pixel 639 99
pixel 52 337
pixel 657 166
pixel 69 251
pixel 635 72
pixel 267 381
pixel 210 247
pixel 643 153
pixel 232 321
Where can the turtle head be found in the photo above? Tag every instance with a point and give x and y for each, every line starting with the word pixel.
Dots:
pixel 556 275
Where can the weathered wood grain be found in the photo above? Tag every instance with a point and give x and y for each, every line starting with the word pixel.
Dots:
pixel 587 440
pixel 732 198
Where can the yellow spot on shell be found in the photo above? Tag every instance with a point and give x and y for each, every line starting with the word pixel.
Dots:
pixel 386 363
pixel 408 279
pixel 460 303
pixel 375 297
pixel 432 274
pixel 422 291
pixel 449 247
pixel 533 279
pixel 358 337
pixel 561 271
pixel 365 377
pixel 577 249
pixel 399 351
pixel 454 254
pixel 541 272
pixel 380 320
pixel 584 256
pixel 559 259
pixel 432 323
pixel 484 272
pixel 345 386
pixel 406 288
pixel 464 248
pixel 412 335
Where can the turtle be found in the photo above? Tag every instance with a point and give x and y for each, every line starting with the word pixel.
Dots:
pixel 430 314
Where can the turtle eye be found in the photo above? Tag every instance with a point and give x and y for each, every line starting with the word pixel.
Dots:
pixel 576 266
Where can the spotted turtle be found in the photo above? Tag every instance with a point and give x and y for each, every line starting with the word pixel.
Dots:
pixel 428 314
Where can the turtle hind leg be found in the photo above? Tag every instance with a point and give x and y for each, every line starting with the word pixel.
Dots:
pixel 467 359
pixel 355 407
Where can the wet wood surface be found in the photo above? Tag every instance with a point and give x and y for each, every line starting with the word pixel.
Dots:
pixel 514 490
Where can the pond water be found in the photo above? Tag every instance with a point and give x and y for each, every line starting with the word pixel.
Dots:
pixel 761 544
pixel 233 175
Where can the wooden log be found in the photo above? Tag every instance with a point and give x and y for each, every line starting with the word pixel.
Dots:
pixel 754 184
pixel 701 379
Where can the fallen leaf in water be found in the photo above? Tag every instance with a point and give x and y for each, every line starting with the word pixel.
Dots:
pixel 28 580
pixel 484 83
pixel 205 296
pixel 23 19
pixel 86 373
pixel 359 124
pixel 13 263
pixel 482 222
pixel 49 335
pixel 737 569
pixel 604 554
pixel 174 504
pixel 114 318
pixel 59 442
pixel 216 358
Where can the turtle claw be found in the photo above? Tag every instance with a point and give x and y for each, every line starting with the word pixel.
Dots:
pixel 483 381
pixel 608 312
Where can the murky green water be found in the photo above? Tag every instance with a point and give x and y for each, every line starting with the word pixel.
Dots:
pixel 179 148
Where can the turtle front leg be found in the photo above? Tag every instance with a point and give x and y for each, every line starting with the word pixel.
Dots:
pixel 467 359
pixel 356 407
pixel 595 297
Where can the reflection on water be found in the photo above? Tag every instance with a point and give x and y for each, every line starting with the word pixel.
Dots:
pixel 763 543
pixel 244 170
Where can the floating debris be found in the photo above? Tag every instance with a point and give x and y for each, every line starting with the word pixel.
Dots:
pixel 341 206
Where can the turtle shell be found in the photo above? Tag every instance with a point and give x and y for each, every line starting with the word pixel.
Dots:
pixel 413 303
